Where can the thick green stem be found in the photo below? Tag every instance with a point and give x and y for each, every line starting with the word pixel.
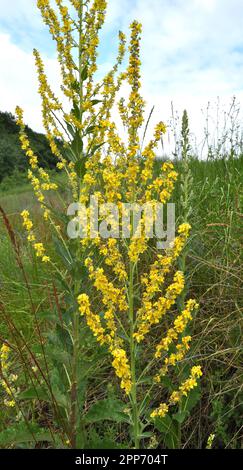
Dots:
pixel 135 415
pixel 74 389
pixel 80 56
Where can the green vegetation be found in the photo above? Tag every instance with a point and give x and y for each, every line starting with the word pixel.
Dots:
pixel 12 157
pixel 214 273
pixel 110 342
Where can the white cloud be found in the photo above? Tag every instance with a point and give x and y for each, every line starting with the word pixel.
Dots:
pixel 18 81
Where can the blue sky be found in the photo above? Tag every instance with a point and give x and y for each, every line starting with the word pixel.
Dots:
pixel 192 52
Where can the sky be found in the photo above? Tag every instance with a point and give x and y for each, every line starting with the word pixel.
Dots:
pixel 192 53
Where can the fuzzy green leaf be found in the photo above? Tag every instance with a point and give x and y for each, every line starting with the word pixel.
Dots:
pixel 110 409
pixel 21 433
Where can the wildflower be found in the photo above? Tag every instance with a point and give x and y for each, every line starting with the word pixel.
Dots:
pixel 27 223
pixel 7 381
pixel 210 441
pixel 179 327
pixel 187 386
pixel 151 313
pixel 122 368
pixel 113 258
pixel 39 249
pixel 25 144
pixel 160 412
pixel 120 362
pixel 93 320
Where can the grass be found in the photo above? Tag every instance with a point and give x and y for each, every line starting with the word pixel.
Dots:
pixel 214 272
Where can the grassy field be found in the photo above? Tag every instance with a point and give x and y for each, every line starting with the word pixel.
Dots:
pixel 214 273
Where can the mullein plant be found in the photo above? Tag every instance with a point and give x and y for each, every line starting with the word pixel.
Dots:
pixel 76 133
pixel 137 303
pixel 123 291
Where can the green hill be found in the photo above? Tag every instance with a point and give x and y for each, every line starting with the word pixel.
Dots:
pixel 12 158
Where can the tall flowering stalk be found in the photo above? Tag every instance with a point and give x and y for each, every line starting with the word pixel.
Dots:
pixel 124 290
pixel 136 300
pixel 76 133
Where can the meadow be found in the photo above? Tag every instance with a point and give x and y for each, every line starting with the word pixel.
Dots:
pixel 214 271
pixel 111 342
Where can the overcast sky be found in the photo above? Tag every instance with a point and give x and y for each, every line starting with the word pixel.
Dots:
pixel 192 52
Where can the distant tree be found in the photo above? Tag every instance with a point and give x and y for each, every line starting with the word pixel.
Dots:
pixel 11 156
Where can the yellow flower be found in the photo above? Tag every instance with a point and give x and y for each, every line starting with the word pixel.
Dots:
pixel 151 313
pixel 120 361
pixel 187 386
pixel 7 381
pixel 179 327
pixel 161 411
pixel 122 368
pixel 39 249
pixel 93 320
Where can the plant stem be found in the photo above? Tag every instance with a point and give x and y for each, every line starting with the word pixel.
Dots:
pixel 80 56
pixel 74 388
pixel 135 416
pixel 74 418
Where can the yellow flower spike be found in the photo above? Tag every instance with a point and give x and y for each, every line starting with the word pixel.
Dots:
pixel 113 258
pixel 122 171
pixel 179 327
pixel 93 321
pixel 8 385
pixel 152 315
pixel 177 395
pixel 25 144
pixel 27 223
pixel 120 361
pixel 122 368
pixel 111 297
pixel 160 412
pixel 187 386
pixel 39 249
pixel 154 280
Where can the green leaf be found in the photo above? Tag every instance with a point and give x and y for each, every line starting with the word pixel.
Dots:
pixel 76 111
pixel 167 382
pixel 110 409
pixel 48 316
pixel 75 86
pixel 146 435
pixel 94 102
pixel 63 252
pixel 32 393
pixel 57 386
pixel 84 73
pixel 95 148
pixel 80 167
pixel 103 444
pixel 70 129
pixel 191 400
pixel 21 433
pixel 180 416
pixel 90 129
pixel 167 428
pixel 77 145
